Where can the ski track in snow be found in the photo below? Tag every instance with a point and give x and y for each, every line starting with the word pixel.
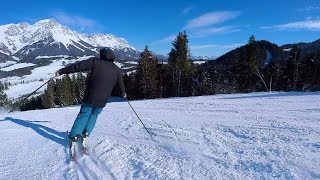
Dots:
pixel 239 136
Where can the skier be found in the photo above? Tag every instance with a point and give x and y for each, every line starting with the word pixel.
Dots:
pixel 101 80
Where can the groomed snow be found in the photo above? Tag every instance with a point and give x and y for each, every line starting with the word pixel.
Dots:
pixel 239 136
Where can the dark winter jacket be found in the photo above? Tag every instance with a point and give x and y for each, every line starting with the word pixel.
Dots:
pixel 103 77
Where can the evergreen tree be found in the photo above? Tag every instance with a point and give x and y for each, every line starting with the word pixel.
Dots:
pixel 146 75
pixel 293 66
pixel 252 60
pixel 2 87
pixel 58 93
pixel 3 98
pixel 67 90
pixel 48 96
pixel 180 66
pixel 80 86
pixel 74 89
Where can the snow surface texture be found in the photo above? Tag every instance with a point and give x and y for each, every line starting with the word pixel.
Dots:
pixel 239 136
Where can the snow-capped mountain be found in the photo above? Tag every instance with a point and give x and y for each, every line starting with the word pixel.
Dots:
pixel 24 42
pixel 203 58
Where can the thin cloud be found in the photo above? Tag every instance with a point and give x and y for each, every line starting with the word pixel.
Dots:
pixel 309 8
pixel 211 19
pixel 187 10
pixel 164 40
pixel 206 46
pixel 204 32
pixel 309 25
pixel 79 22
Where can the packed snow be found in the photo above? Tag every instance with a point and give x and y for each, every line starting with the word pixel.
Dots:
pixel 240 136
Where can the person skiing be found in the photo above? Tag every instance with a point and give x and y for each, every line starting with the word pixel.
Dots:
pixel 103 77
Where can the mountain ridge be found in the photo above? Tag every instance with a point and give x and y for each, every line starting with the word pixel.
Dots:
pixel 22 39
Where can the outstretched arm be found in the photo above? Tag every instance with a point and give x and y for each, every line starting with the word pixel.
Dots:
pixel 80 66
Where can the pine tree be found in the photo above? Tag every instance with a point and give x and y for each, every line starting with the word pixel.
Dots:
pixel 252 59
pixel 180 66
pixel 146 75
pixel 58 93
pixel 67 90
pixel 295 59
pixel 80 86
pixel 3 99
pixel 48 96
pixel 74 89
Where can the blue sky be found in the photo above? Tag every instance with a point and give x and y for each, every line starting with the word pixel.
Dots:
pixel 214 27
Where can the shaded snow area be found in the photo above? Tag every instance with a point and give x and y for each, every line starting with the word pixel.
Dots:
pixel 239 136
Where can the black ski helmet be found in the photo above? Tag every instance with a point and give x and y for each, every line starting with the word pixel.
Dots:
pixel 107 54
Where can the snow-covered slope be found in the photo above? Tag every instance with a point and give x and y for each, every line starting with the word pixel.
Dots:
pixel 240 136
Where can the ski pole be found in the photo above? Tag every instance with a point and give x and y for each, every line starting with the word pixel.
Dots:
pixel 140 120
pixel 32 93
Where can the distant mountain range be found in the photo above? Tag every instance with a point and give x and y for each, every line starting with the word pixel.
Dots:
pixel 47 38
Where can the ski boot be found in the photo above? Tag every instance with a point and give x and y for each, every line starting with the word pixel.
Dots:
pixel 85 135
pixel 72 143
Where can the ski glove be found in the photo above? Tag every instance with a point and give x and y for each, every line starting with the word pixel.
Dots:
pixel 125 95
pixel 57 73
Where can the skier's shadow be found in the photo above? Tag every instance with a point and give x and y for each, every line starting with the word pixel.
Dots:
pixel 49 133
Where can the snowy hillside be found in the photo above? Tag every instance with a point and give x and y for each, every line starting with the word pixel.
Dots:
pixel 240 136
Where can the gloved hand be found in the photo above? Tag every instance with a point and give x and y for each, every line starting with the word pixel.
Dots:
pixel 57 73
pixel 125 95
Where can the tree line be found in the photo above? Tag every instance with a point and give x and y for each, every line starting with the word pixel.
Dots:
pixel 179 77
pixel 59 92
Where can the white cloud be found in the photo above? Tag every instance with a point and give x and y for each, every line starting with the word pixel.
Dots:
pixel 187 10
pixel 79 22
pixel 211 18
pixel 310 25
pixel 310 8
pixel 204 32
pixel 213 50
pixel 164 40
pixel 206 46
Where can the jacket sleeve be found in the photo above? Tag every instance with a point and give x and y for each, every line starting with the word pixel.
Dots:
pixel 121 83
pixel 80 66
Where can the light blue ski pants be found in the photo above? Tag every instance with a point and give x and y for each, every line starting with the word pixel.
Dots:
pixel 85 120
